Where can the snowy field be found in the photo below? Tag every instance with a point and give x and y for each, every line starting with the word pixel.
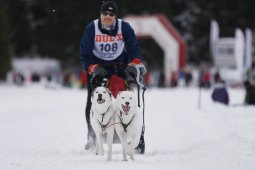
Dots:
pixel 44 129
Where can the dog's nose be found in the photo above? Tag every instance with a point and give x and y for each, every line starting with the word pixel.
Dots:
pixel 99 95
pixel 127 103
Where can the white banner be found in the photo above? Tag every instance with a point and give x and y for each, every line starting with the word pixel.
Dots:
pixel 248 49
pixel 239 51
pixel 214 37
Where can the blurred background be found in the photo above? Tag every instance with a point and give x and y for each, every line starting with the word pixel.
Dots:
pixel 39 40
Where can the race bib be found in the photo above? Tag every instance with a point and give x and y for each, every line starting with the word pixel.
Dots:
pixel 108 47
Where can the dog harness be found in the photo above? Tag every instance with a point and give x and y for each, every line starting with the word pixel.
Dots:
pixel 104 126
pixel 101 123
pixel 125 126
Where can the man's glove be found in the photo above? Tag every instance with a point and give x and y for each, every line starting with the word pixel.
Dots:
pixel 135 71
pixel 97 73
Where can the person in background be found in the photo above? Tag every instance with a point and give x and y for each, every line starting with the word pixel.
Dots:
pixel 250 93
pixel 249 85
pixel 109 51
pixel 83 79
pixel 220 93
pixel 161 79
pixel 174 79
pixel 205 79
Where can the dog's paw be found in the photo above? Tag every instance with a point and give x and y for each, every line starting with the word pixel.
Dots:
pixel 132 157
pixel 101 152
pixel 129 150
pixel 124 155
pixel 109 158
pixel 125 159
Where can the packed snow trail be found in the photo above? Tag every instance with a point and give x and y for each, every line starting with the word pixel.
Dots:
pixel 44 129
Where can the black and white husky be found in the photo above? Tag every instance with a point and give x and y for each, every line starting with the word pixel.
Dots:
pixel 102 119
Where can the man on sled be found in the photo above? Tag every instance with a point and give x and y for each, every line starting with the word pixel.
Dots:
pixel 110 54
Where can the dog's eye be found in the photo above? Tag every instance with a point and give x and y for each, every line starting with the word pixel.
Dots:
pixel 97 92
pixel 123 98
pixel 104 92
pixel 131 98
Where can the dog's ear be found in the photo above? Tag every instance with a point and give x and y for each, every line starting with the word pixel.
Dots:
pixel 109 92
pixel 92 94
pixel 119 93
pixel 131 90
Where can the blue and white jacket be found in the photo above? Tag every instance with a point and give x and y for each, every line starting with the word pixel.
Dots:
pixel 89 47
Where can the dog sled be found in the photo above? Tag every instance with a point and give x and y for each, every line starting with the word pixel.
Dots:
pixel 134 80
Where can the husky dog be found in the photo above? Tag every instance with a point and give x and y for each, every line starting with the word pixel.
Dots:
pixel 102 119
pixel 128 123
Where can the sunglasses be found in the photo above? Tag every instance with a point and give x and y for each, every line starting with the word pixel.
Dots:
pixel 108 13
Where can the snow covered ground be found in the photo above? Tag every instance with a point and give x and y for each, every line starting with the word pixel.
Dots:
pixel 44 129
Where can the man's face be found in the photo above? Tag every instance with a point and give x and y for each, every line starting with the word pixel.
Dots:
pixel 107 18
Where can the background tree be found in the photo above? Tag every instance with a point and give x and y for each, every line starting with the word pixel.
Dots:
pixel 6 49
pixel 53 28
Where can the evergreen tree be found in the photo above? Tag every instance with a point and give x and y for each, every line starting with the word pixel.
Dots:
pixel 21 25
pixel 6 48
pixel 54 28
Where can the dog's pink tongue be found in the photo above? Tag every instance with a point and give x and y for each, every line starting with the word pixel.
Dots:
pixel 125 108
